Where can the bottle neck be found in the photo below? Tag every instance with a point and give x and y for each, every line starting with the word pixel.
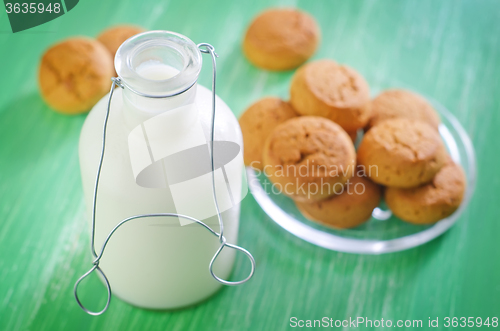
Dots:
pixel 137 109
pixel 157 63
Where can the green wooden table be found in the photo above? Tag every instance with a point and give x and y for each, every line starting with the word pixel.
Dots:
pixel 449 50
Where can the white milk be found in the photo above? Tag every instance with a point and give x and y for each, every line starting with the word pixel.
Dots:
pixel 155 70
pixel 153 262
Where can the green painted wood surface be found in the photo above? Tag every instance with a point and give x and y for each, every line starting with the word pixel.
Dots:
pixel 449 50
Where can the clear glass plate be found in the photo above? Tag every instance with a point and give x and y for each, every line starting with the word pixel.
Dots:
pixel 383 233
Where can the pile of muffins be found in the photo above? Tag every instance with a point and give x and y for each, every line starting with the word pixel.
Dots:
pixel 306 146
pixel 74 74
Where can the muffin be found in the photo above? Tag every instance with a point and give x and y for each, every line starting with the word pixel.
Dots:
pixel 75 74
pixel 309 158
pixel 402 153
pixel 348 209
pixel 402 104
pixel 114 37
pixel 257 122
pixel 431 202
pixel 325 88
pixel 281 39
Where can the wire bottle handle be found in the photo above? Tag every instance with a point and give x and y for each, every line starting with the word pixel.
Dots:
pixel 207 49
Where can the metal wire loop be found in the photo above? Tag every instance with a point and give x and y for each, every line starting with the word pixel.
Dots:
pixel 108 288
pixel 207 49
pixel 118 82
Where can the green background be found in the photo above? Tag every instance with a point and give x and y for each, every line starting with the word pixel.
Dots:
pixel 449 50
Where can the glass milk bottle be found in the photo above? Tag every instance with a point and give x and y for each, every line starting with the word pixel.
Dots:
pixel 160 263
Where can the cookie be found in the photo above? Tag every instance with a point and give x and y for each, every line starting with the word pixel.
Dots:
pixel 352 207
pixel 309 158
pixel 431 202
pixel 75 74
pixel 257 122
pixel 281 39
pixel 114 37
pixel 402 153
pixel 402 104
pixel 325 88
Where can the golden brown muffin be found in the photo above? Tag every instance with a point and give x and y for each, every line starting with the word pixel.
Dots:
pixel 431 202
pixel 348 209
pixel 257 122
pixel 75 74
pixel 281 39
pixel 402 104
pixel 402 153
pixel 114 37
pixel 309 158
pixel 325 88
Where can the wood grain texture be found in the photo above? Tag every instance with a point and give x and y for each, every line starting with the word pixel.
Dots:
pixel 449 50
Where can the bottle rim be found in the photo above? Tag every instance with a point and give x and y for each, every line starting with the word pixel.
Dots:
pixel 166 47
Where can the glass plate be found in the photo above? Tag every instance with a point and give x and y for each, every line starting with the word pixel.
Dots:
pixel 383 233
